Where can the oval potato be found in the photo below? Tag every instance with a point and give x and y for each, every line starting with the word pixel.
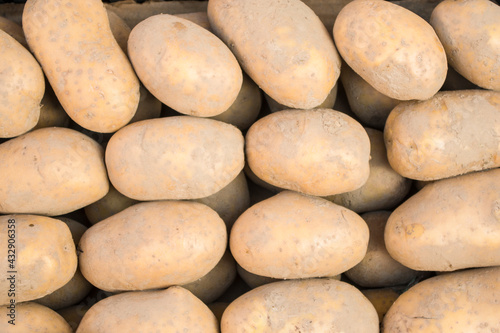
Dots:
pixel 33 318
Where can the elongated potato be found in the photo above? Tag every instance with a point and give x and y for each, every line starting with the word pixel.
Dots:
pixel 85 66
pixel 310 305
pixel 283 46
pixel 318 152
pixel 31 317
pixel 153 245
pixel 453 133
pixel 22 87
pixel 457 302
pixel 448 225
pixel 174 158
pixel 39 257
pixel 391 48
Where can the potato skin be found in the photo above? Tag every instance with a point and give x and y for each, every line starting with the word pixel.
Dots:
pixel 456 302
pixel 453 133
pixel 84 64
pixel 470 33
pixel 310 305
pixel 391 48
pixel 290 236
pixel 283 46
pixel 152 245
pixel 171 158
pixel 449 224
pixel 34 318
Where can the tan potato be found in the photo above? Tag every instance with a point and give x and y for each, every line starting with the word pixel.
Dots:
pixel 172 310
pixel 218 309
pixel 39 257
pixel 13 29
pixel 283 46
pixel 382 299
pixel 328 103
pixel 74 314
pixel 470 33
pixel 22 87
pixel 292 236
pixel 318 152
pixel 153 245
pixel 200 18
pixel 149 107
pixel 456 302
pixel 31 317
pixel 51 171
pixel 184 65
pixel 119 29
pixel 391 48
pixel 453 133
pixel 174 158
pixel 311 305
pixel 52 113
pixel 84 64
pixel 448 225
pixel 77 229
pixel 112 203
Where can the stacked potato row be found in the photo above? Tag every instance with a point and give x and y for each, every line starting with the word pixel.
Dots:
pixel 204 150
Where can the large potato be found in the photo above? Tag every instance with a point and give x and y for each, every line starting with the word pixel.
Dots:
pixel 33 318
pixel 178 157
pixel 453 133
pixel 51 171
pixel 153 245
pixel 391 48
pixel 449 224
pixel 283 46
pixel 84 64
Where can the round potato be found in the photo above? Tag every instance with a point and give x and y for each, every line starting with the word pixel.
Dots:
pixel 31 317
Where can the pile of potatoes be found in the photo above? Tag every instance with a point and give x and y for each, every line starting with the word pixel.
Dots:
pixel 244 169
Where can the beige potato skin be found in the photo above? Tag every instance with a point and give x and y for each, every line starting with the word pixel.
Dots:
pixel 51 171
pixel 318 152
pixel 152 245
pixel 311 305
pixel 172 310
pixel 449 224
pixel 290 236
pixel 45 256
pixel 84 64
pixel 391 48
pixel 172 158
pixel 22 87
pixel 283 46
pixel 457 302
pixel 470 34
pixel 453 133
pixel 34 318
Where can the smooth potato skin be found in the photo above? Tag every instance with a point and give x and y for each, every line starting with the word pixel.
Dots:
pixel 84 64
pixel 34 318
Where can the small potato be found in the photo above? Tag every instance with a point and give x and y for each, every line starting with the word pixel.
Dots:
pixel 318 152
pixel 152 245
pixel 470 33
pixel 453 133
pixel 311 305
pixel 382 299
pixel 391 48
pixel 290 236
pixel 448 225
pixel 42 254
pixel 51 171
pixel 52 113
pixel 456 302
pixel 172 310
pixel 119 29
pixel 31 317
pixel 113 202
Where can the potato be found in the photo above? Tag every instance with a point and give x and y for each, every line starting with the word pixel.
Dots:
pixel 378 268
pixel 470 33
pixel 13 29
pixel 200 18
pixel 51 171
pixel 85 66
pixel 22 87
pixel 456 302
pixel 318 152
pixel 382 299
pixel 283 46
pixel 39 257
pixel 391 48
pixel 113 202
pixel 153 245
pixel 149 107
pixel 73 314
pixel 384 189
pixel 174 158
pixel 254 280
pixel 218 309
pixel 448 225
pixel 328 103
pixel 184 65
pixel 119 29
pixel 52 113
pixel 453 133
pixel 290 236
pixel 172 310
pixel 312 305
pixel 33 318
